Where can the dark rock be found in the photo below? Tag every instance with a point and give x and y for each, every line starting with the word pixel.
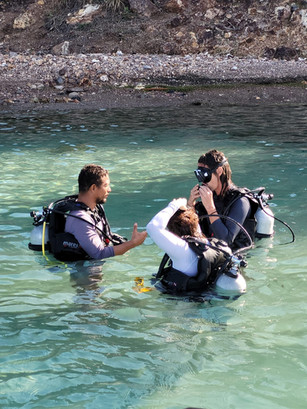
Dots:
pixel 176 22
pixel 206 35
pixel 269 53
pixel 60 80
pixel 281 53
pixel 286 53
pixel 62 71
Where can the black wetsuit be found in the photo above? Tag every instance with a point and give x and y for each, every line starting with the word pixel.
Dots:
pixel 239 205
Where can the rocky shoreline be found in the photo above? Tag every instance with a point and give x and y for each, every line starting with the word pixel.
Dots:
pixel 93 81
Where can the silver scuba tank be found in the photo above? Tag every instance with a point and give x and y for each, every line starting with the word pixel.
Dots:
pixel 234 284
pixel 232 280
pixel 265 222
pixel 36 238
pixel 264 215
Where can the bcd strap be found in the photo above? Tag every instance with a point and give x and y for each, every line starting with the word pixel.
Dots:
pixel 65 246
pixel 211 262
pixel 162 268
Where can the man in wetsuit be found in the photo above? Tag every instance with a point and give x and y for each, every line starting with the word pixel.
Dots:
pixel 93 231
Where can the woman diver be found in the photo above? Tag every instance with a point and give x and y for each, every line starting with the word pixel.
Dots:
pixel 196 262
pixel 220 197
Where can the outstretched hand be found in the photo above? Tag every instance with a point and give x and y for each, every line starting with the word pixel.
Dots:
pixel 137 237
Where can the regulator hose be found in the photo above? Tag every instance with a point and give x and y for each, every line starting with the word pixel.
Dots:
pixel 206 216
pixel 86 221
pixel 276 218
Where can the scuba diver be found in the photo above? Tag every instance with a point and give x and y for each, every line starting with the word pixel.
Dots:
pixel 223 207
pixel 77 225
pixel 195 261
pixel 94 189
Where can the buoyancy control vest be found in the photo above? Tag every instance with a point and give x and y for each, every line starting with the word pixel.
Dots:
pixel 213 259
pixel 223 207
pixel 64 246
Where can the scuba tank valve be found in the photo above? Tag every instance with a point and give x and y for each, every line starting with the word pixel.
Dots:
pixel 39 237
pixel 232 279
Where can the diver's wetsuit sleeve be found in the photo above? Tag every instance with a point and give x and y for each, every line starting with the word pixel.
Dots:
pixel 183 258
pixel 227 230
pixel 87 235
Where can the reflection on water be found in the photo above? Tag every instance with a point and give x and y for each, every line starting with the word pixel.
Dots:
pixel 89 334
pixel 87 274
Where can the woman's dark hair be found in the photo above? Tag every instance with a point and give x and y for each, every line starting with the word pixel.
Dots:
pixel 212 159
pixel 184 223
pixel 91 175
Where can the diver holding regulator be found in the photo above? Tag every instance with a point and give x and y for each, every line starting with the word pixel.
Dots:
pixel 223 208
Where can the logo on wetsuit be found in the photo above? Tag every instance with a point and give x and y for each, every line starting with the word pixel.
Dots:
pixel 70 245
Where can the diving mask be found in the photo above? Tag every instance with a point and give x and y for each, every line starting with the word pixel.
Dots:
pixel 204 175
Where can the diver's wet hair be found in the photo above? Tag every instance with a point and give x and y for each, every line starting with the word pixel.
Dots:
pixel 91 175
pixel 184 223
pixel 212 159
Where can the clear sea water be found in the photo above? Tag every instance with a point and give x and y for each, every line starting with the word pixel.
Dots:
pixel 83 335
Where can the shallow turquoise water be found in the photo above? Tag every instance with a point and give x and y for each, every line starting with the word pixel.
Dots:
pixel 73 340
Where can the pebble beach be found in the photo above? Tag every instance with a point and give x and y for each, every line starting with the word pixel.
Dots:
pixel 48 82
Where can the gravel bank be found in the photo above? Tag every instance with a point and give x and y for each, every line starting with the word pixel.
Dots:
pixel 106 81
